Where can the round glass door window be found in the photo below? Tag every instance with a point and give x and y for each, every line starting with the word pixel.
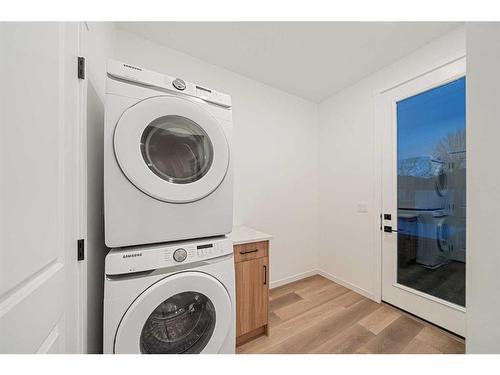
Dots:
pixel 184 323
pixel 176 149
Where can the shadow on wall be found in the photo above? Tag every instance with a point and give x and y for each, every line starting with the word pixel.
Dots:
pixel 96 250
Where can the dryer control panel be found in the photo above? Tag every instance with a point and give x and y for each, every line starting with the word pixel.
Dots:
pixel 146 258
pixel 146 77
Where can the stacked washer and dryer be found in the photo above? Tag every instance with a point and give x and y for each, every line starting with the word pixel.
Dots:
pixel 431 214
pixel 168 197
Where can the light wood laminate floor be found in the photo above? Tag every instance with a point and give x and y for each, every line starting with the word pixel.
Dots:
pixel 316 315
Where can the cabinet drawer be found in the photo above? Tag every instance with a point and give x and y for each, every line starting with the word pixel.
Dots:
pixel 248 251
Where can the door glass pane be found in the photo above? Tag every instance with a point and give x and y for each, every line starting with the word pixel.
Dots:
pixel 431 192
pixel 176 149
pixel 184 323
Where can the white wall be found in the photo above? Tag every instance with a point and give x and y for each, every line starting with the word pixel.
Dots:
pixel 275 148
pixel 483 187
pixel 97 47
pixel 349 241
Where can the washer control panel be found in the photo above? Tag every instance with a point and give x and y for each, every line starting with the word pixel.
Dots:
pixel 146 258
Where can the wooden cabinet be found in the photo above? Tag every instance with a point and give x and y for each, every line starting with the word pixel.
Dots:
pixel 252 290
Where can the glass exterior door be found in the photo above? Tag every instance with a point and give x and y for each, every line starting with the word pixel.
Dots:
pixel 431 192
pixel 423 127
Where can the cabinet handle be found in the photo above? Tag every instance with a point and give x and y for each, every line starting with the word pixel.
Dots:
pixel 265 274
pixel 248 252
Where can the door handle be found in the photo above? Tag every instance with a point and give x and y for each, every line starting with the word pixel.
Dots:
pixel 248 252
pixel 388 229
pixel 265 274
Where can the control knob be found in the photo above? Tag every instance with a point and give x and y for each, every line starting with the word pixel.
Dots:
pixel 179 84
pixel 180 255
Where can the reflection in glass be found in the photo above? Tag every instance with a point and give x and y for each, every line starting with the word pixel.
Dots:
pixel 431 192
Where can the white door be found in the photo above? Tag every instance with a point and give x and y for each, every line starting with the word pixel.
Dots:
pixel 188 312
pixel 172 149
pixel 423 195
pixel 39 197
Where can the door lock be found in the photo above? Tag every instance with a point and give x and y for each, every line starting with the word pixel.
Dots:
pixel 388 229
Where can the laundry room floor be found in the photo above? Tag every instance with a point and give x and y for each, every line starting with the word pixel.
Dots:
pixel 316 315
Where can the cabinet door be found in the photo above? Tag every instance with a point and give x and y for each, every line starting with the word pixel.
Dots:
pixel 252 290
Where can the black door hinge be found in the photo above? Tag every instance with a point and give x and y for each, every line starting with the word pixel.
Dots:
pixel 81 67
pixel 80 249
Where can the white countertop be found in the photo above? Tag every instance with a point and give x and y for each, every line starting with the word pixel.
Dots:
pixel 242 234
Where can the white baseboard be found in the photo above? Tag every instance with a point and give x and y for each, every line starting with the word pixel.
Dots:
pixel 291 279
pixel 338 280
pixel 348 285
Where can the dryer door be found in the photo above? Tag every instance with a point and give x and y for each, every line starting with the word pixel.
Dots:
pixel 172 149
pixel 189 312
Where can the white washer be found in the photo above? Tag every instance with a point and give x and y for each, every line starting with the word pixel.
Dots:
pixel 170 299
pixel 167 159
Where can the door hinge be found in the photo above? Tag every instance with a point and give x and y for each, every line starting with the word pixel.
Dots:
pixel 80 249
pixel 81 67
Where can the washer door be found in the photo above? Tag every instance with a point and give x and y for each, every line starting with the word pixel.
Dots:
pixel 188 312
pixel 172 149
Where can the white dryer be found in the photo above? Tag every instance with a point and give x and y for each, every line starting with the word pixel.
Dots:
pixel 167 159
pixel 170 299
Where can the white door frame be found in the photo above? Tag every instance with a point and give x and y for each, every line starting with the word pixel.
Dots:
pixel 80 149
pixel 379 125
pixel 74 171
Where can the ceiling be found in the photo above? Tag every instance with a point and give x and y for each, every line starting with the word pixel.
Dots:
pixel 312 60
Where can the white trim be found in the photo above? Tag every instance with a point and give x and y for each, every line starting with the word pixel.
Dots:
pixel 430 297
pixel 377 200
pixel 291 279
pixel 348 285
pixel 329 276
pixel 71 165
pixel 81 151
pixel 423 73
